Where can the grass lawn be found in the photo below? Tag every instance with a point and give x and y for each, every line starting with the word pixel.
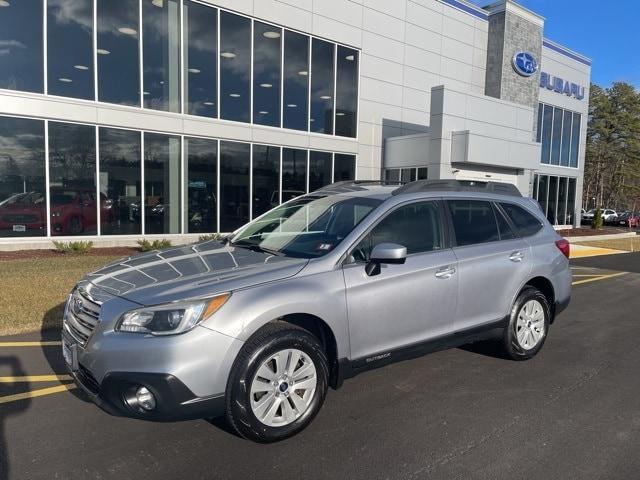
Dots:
pixel 33 291
pixel 630 244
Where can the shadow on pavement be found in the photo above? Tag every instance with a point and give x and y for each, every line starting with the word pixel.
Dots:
pixel 50 331
pixel 10 366
pixel 488 348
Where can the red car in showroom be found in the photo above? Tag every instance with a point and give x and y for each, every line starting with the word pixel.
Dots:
pixel 73 212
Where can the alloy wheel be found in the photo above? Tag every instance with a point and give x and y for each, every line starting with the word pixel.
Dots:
pixel 283 387
pixel 530 325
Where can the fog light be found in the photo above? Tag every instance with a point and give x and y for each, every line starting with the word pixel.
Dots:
pixel 145 398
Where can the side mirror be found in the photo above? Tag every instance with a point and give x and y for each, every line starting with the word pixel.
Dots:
pixel 385 253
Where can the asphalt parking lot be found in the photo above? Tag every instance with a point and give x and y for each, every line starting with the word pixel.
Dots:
pixel 572 412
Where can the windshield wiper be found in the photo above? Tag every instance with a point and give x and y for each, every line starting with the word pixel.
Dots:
pixel 256 248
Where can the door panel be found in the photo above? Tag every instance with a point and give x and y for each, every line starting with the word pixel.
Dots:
pixel 406 303
pixel 402 305
pixel 492 262
pixel 490 274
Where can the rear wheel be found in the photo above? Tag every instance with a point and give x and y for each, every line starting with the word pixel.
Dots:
pixel 528 324
pixel 277 384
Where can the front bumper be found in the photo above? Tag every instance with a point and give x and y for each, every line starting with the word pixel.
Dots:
pixel 174 401
pixel 186 373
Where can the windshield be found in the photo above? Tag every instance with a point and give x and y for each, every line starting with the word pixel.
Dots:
pixel 307 227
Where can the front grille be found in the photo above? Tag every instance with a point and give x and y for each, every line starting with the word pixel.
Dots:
pixel 82 314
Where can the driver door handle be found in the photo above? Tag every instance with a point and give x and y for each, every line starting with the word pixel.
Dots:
pixel 445 272
pixel 516 256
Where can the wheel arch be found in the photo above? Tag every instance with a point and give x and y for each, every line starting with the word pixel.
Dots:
pixel 320 329
pixel 546 287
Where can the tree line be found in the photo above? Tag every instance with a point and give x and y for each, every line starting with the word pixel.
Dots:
pixel 612 164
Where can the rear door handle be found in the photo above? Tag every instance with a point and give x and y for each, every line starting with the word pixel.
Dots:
pixel 445 272
pixel 516 256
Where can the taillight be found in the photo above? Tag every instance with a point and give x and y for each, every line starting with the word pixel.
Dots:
pixel 564 246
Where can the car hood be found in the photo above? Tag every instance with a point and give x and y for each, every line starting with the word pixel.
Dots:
pixel 191 271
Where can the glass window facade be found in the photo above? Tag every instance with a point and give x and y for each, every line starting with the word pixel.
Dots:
pixel 344 167
pixel 70 48
pixel 72 179
pixel 113 181
pixel 294 173
pixel 295 102
pixel 201 180
pixel 200 59
pixel 559 134
pixel 161 54
pixel 120 181
pixel 346 91
pixel 21 45
pixel 322 83
pixel 267 50
pixel 23 205
pixel 235 161
pixel 118 51
pixel 235 67
pixel 161 183
pixel 320 169
pixel 266 179
pixel 405 175
pixel 557 197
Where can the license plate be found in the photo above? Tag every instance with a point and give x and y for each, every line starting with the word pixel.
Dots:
pixel 69 353
pixel 621 223
pixel 19 228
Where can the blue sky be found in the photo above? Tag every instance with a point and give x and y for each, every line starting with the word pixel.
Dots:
pixel 606 31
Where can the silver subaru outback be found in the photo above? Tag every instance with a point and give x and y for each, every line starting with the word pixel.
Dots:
pixel 348 278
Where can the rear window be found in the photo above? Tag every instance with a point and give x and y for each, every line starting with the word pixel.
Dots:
pixel 525 222
pixel 473 222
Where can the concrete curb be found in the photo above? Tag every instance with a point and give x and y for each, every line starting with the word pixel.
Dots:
pixel 601 237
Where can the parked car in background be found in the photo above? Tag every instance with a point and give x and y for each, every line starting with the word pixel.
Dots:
pixel 608 215
pixel 629 219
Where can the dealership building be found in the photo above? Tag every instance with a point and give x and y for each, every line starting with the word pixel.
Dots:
pixel 174 118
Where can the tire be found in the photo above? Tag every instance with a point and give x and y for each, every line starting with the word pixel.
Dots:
pixel 75 226
pixel 528 325
pixel 263 402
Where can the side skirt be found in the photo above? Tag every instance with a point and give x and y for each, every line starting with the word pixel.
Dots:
pixel 346 368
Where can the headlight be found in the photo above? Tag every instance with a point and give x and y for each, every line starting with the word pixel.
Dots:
pixel 55 214
pixel 170 318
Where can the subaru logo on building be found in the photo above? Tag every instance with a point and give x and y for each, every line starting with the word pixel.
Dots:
pixel 525 64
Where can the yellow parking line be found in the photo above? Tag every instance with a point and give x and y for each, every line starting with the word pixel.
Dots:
pixel 601 277
pixel 37 393
pixel 29 344
pixel 35 378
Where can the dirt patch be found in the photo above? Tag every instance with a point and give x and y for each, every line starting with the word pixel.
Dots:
pixel 94 252
pixel 589 232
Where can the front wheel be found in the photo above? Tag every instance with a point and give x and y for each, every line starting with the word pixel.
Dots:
pixel 528 324
pixel 277 384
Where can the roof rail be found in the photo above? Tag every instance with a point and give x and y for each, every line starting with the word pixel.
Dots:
pixel 356 183
pixel 496 188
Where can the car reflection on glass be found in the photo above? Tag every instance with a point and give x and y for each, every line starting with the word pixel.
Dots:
pixel 73 212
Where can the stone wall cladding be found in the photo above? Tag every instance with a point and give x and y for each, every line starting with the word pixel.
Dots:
pixel 495 52
pixel 508 34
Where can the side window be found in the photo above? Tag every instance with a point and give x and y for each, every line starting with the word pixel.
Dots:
pixel 473 222
pixel 524 221
pixel 506 233
pixel 416 226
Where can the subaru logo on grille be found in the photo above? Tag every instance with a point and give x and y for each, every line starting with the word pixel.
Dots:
pixel 77 305
pixel 525 64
